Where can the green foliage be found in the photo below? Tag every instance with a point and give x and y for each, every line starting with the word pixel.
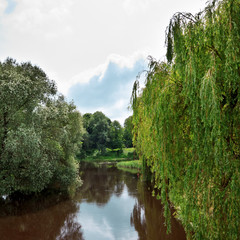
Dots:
pixel 127 134
pixel 61 130
pixel 101 133
pixel 23 166
pixel 186 121
pixel 115 135
pixel 99 126
pixel 39 132
pixel 136 164
pixel 112 155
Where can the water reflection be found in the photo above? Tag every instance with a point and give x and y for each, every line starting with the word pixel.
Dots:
pixel 111 221
pixel 105 205
pixel 100 184
pixel 110 205
pixel 128 210
pixel 147 218
pixel 71 229
pixel 40 219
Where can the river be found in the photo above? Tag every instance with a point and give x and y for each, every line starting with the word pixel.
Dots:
pixel 111 204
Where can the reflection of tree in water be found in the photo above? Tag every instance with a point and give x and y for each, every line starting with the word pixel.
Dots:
pixel 53 219
pixel 131 181
pixel 99 184
pixel 138 221
pixel 147 218
pixel 70 230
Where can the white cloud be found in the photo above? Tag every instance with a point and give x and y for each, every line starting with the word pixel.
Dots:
pixel 135 6
pixel 100 70
pixel 126 61
pixel 102 228
pixel 34 17
pixel 85 76
pixel 3 6
pixel 118 111
pixel 73 41
pixel 108 87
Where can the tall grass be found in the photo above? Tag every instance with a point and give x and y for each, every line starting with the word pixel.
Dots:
pixel 135 164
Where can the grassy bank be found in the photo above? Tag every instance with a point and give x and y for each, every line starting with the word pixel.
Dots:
pixel 137 164
pixel 125 159
pixel 133 166
pixel 115 155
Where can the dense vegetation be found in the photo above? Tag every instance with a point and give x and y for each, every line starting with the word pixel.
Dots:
pixel 102 133
pixel 40 132
pixel 127 134
pixel 187 121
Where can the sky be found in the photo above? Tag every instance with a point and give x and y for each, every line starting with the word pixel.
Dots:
pixel 99 222
pixel 92 49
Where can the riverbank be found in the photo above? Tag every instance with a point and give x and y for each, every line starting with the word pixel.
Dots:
pixel 126 159
pixel 115 155
pixel 133 166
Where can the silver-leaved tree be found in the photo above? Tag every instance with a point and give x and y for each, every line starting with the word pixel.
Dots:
pixel 40 132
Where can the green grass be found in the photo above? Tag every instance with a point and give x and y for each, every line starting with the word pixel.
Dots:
pixel 111 156
pixel 135 164
pixel 128 151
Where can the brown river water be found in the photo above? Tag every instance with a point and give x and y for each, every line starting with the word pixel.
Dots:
pixel 111 204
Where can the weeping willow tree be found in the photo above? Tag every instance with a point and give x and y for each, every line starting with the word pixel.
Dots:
pixel 187 121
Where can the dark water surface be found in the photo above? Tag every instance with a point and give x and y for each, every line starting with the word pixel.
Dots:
pixel 111 204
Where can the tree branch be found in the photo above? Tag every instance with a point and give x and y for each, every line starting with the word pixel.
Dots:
pixel 215 50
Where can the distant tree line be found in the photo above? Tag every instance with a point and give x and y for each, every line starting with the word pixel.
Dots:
pixel 101 133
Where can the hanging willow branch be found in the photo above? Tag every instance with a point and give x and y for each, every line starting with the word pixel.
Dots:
pixel 178 21
pixel 187 121
pixel 215 50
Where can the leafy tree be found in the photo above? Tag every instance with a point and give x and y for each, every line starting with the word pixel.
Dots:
pixel 22 87
pixel 100 133
pixel 116 135
pixel 127 132
pixel 186 121
pixel 87 144
pixel 86 121
pixel 99 127
pixel 39 134
pixel 24 167
pixel 61 130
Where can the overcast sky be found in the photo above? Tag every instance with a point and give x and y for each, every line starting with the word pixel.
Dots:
pixel 93 49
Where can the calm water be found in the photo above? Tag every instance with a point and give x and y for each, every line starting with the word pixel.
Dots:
pixel 111 204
